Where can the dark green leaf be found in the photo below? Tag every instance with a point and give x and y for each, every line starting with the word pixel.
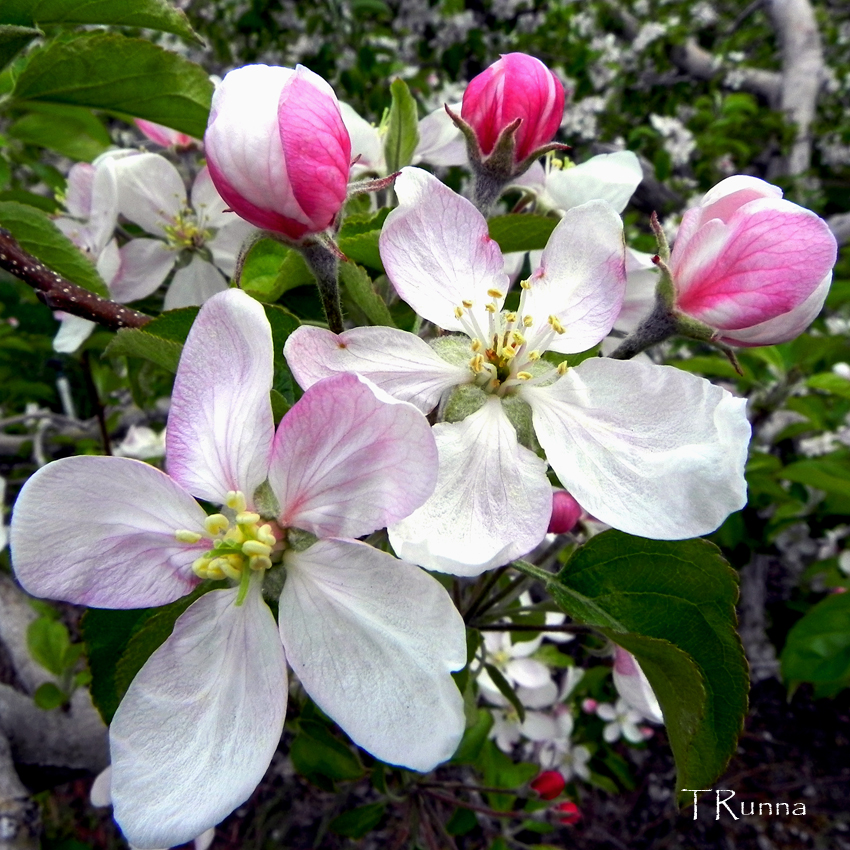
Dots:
pixel 69 130
pixel 47 696
pixel 517 232
pixel 363 248
pixel 13 39
pixel 818 646
pixel 461 822
pixel 355 823
pixel 671 604
pixel 359 286
pixel 505 689
pixel 500 771
pixel 830 474
pixel 136 342
pixel 151 14
pixel 271 269
pixel 831 383
pixel 364 222
pixel 48 641
pixel 474 738
pixel 124 75
pixel 38 235
pixel 316 753
pixel 403 130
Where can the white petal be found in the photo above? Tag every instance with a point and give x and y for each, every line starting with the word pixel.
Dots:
pixel 220 427
pixel 100 794
pixel 208 205
pixel 400 363
pixel 227 244
pixel 437 250
pixel 648 449
pixel 150 191
pixel 611 177
pixel 581 279
pixel 539 727
pixel 72 333
pixel 200 723
pixel 440 141
pixel 633 686
pixel 373 641
pixel 528 672
pixel 492 502
pixel 366 142
pixel 540 697
pixel 145 264
pixel 194 284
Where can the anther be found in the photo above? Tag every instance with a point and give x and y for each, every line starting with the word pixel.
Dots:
pixel 525 284
pixel 556 325
pixel 247 518
pixel 458 312
pixel 467 303
pixel 562 368
pixel 490 308
pixel 236 501
pixel 495 293
pixel 527 321
pixel 216 523
pixel 254 547
pixel 523 376
pixel 476 345
pixel 185 536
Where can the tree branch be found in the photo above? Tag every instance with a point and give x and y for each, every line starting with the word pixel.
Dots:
pixel 60 294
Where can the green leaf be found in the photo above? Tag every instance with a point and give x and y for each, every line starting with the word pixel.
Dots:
pixel 271 269
pixel 316 753
pixel 127 76
pixel 517 232
pixel 71 131
pixel 363 248
pixel 48 696
pixel 283 323
pixel 500 771
pixel 828 473
pixel 403 127
pixel 39 236
pixel 364 222
pixel 474 738
pixel 818 646
pixel 48 641
pixel 671 604
pixel 461 822
pixel 13 39
pixel 355 823
pixel 150 14
pixel 359 286
pixel 831 383
pixel 505 689
pixel 137 342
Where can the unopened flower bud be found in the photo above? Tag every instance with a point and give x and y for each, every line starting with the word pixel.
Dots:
pixel 548 784
pixel 165 136
pixel 516 86
pixel 589 706
pixel 567 812
pixel 277 149
pixel 566 512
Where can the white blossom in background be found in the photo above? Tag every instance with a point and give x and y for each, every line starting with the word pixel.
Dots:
pixel 581 120
pixel 142 443
pixel 556 748
pixel 647 34
pixel 679 141
pixel 620 721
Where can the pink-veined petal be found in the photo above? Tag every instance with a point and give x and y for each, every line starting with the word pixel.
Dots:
pixel 492 501
pixel 398 362
pixel 437 250
pixel 144 265
pixel 633 686
pixel 611 177
pixel 194 284
pixel 150 191
pixel 373 640
pixel 581 279
pixel 199 724
pixel 220 426
pixel 348 459
pixel 99 531
pixel 651 450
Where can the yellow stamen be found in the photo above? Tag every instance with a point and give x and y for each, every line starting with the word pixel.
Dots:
pixel 458 312
pixel 495 293
pixel 476 345
pixel 216 523
pixel 523 376
pixel 562 368
pixel 236 501
pixel 467 303
pixel 254 547
pixel 247 518
pixel 527 321
pixel 556 325
pixel 490 308
pixel 185 536
pixel 525 284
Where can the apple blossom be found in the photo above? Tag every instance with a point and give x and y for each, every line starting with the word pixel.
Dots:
pixel 620 721
pixel 165 136
pixel 648 449
pixel 557 752
pixel 566 512
pixel 517 86
pixel 372 639
pixel 633 686
pixel 278 150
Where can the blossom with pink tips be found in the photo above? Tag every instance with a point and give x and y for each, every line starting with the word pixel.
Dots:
pixel 373 640
pixel 633 686
pixel 165 136
pixel 753 266
pixel 566 512
pixel 278 150
pixel 515 86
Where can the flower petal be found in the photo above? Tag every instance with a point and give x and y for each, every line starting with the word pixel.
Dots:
pixel 398 362
pixel 437 250
pixel 194 284
pixel 150 191
pixel 220 427
pixel 581 279
pixel 648 449
pixel 373 641
pixel 144 265
pixel 348 459
pixel 72 333
pixel 440 141
pixel 611 177
pixel 200 723
pixel 99 531
pixel 492 501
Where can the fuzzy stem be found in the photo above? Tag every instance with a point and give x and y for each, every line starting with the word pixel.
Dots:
pixel 324 264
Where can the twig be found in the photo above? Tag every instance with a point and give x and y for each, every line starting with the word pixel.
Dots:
pixel 60 294
pixel 454 801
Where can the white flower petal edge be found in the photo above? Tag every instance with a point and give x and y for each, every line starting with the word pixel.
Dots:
pixel 492 501
pixel 194 284
pixel 144 265
pixel 647 449
pixel 397 361
pixel 611 177
pixel 201 719
pixel 99 531
pixel 437 250
pixel 373 640
pixel 220 427
pixel 349 459
pixel 150 191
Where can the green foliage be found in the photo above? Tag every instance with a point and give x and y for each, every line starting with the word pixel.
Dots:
pixel 402 127
pixel 355 823
pixel 71 131
pixel 818 647
pixel 14 39
pixel 521 232
pixel 359 286
pixel 321 758
pixel 122 75
pixel 271 269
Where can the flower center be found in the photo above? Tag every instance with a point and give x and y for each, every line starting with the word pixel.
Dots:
pixel 504 356
pixel 185 231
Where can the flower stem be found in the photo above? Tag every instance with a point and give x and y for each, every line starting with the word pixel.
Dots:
pixel 324 263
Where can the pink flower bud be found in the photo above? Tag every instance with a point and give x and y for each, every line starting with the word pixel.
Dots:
pixel 517 86
pixel 589 706
pixel 277 149
pixel 755 267
pixel 548 784
pixel 164 136
pixel 566 512
pixel 567 812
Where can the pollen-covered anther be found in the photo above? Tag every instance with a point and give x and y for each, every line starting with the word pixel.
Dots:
pixel 556 325
pixel 230 565
pixel 524 376
pixel 216 523
pixel 247 518
pixel 259 562
pixel 525 284
pixel 517 337
pixel 562 368
pixel 476 345
pixel 510 317
pixel 477 364
pixel 458 312
pixel 182 535
pixel 467 303
pixel 265 535
pixel 491 307
pixel 236 501
pixel 527 321
pixel 495 293
pixel 254 547
pixel 533 355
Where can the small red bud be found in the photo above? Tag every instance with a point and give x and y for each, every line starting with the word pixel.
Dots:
pixel 548 784
pixel 566 512
pixel 567 812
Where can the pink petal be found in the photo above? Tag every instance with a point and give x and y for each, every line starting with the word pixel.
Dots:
pixel 374 640
pixel 348 459
pixel 194 284
pixel 144 265
pixel 437 250
pixel 398 362
pixel 220 427
pixel 99 531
